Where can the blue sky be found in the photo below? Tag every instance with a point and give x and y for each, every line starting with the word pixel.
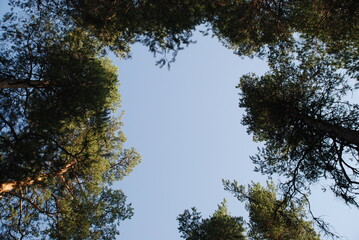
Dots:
pixel 186 124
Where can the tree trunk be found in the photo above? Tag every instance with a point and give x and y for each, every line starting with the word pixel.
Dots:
pixel 347 135
pixel 9 186
pixel 16 83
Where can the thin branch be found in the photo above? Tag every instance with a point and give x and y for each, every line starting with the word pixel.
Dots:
pixel 12 129
pixel 33 204
pixel 20 217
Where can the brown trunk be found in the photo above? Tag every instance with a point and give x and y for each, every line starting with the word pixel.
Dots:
pixel 9 186
pixel 334 131
pixel 15 83
pixel 347 135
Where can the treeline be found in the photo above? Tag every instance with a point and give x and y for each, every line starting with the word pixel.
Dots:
pixel 270 217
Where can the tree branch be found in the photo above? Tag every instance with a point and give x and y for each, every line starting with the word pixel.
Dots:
pixel 20 83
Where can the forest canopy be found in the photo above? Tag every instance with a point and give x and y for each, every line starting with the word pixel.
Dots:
pixel 61 142
pixel 269 218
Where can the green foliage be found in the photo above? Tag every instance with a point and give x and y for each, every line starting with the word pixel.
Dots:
pixel 321 18
pixel 309 131
pixel 61 144
pixel 165 27
pixel 63 210
pixel 59 141
pixel 220 226
pixel 45 124
pixel 247 26
pixel 269 217
pixel 272 218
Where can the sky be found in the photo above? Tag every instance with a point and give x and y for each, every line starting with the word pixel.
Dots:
pixel 186 124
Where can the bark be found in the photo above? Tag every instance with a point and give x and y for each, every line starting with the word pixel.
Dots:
pixel 16 83
pixel 347 135
pixel 10 186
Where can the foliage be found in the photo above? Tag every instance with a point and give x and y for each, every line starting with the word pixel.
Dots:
pixel 298 110
pixel 269 217
pixel 81 93
pixel 57 133
pixel 63 210
pixel 165 27
pixel 247 26
pixel 272 218
pixel 60 143
pixel 220 226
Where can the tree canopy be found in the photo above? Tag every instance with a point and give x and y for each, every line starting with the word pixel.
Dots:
pixel 297 109
pixel 220 226
pixel 61 144
pixel 269 217
pixel 247 26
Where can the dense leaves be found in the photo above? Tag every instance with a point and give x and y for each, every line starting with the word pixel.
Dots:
pixel 247 26
pixel 220 226
pixel 165 27
pixel 297 108
pixel 61 144
pixel 270 217
pixel 60 211
pixel 40 123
